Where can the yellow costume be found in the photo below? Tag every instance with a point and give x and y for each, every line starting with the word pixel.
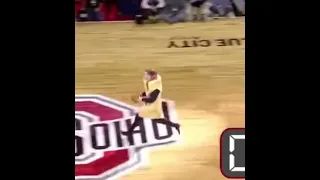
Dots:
pixel 152 110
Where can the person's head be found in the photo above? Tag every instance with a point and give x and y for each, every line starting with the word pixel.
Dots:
pixel 150 74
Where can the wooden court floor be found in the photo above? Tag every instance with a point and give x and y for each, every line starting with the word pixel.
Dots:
pixel 207 84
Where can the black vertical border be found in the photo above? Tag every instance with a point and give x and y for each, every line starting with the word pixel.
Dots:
pixel 38 93
pixel 268 56
pixel 255 58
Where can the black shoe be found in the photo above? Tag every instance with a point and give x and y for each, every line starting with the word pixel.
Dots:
pixel 139 19
pixel 178 128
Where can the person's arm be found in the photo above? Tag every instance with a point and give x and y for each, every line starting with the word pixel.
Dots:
pixel 152 97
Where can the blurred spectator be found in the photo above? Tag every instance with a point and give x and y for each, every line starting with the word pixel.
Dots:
pixel 198 9
pixel 171 11
pixel 222 8
pixel 150 10
pixel 93 10
pixel 239 7
pixel 174 11
pixel 82 15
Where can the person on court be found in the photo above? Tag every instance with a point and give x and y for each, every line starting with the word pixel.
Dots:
pixel 151 98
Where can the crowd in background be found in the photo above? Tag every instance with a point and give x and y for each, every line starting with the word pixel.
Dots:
pixel 152 11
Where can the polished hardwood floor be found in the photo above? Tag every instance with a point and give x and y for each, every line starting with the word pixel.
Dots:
pixel 207 84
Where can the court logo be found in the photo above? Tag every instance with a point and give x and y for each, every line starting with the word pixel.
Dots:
pixel 101 151
pixel 199 42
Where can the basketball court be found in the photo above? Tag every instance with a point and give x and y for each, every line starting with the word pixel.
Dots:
pixel 207 84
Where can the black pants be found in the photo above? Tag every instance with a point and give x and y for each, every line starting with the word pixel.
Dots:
pixel 166 120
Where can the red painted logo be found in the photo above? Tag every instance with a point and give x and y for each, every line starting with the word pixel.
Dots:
pixel 101 151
